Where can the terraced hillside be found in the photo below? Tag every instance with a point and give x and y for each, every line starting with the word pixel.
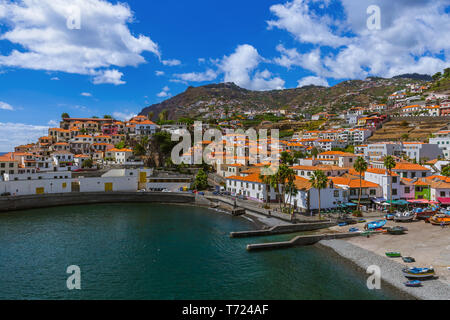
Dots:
pixel 408 131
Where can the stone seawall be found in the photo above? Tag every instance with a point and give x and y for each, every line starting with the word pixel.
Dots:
pixel 54 200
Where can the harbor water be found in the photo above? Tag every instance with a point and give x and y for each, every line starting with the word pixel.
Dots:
pixel 148 251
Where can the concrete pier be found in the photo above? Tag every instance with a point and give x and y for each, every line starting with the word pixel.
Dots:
pixel 300 241
pixel 283 229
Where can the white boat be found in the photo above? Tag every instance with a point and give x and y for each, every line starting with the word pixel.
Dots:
pixel 404 217
pixel 419 273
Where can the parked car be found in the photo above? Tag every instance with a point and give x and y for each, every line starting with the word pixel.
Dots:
pixel 5 194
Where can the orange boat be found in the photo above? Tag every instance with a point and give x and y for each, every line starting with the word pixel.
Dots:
pixel 440 219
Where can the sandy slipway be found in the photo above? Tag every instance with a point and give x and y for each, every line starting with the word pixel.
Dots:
pixel 391 271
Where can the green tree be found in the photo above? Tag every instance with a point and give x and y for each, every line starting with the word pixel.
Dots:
pixel 266 179
pixel 360 166
pixel 319 181
pixel 65 115
pixel 107 116
pixel 150 115
pixel 201 181
pixel 437 76
pixel 163 115
pixel 286 158
pixel 291 191
pixel 314 152
pixel 88 163
pixel 389 164
pixel 446 171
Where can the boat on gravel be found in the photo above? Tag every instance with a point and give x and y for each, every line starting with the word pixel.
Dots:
pixel 404 217
pixel 422 214
pixel 393 254
pixel 396 230
pixel 419 273
pixel 413 283
pixel 408 259
pixel 440 219
pixel 376 225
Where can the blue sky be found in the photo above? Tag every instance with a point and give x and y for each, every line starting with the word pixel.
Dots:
pixel 131 54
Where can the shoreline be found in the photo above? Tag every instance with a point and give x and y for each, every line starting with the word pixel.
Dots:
pixel 391 271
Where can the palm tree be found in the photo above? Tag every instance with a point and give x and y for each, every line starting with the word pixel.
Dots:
pixel 360 166
pixel 65 115
pixel 292 191
pixel 150 115
pixel 266 179
pixel 390 164
pixel 319 181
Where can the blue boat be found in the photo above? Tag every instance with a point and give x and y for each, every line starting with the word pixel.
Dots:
pixel 343 224
pixel 353 230
pixel 376 224
pixel 413 283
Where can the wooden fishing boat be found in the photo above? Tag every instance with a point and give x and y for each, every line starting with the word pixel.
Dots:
pixel 396 230
pixel 425 214
pixel 440 219
pixel 393 254
pixel 404 217
pixel 413 283
pixel 376 225
pixel 353 230
pixel 408 259
pixel 389 216
pixel 419 273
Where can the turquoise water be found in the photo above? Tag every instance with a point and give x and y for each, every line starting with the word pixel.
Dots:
pixel 141 251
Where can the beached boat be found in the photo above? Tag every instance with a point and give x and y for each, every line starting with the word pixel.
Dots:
pixel 413 283
pixel 361 220
pixel 408 259
pixel 393 254
pixel 396 230
pixel 353 230
pixel 376 224
pixel 419 273
pixel 389 216
pixel 342 224
pixel 440 219
pixel 422 214
pixel 404 217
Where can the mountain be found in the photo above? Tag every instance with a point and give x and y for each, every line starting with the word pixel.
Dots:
pixel 414 76
pixel 215 98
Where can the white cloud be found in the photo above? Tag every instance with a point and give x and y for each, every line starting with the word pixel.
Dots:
pixel 414 37
pixel 201 60
pixel 52 123
pixel 123 115
pixel 312 80
pixel 86 94
pixel 14 134
pixel 305 24
pixel 164 93
pixel 240 66
pixel 171 63
pixel 109 76
pixel 159 73
pixel 55 79
pixel 6 106
pixel 103 40
pixel 208 75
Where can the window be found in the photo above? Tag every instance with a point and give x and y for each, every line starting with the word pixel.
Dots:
pixel 394 179
pixel 336 193
pixel 442 194
pixel 424 174
pixel 373 192
pixel 394 192
pixel 407 190
pixel 413 175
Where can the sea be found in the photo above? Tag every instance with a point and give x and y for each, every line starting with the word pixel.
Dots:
pixel 152 251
